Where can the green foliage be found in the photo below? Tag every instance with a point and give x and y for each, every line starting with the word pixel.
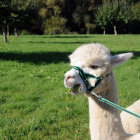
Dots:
pixel 5 7
pixel 54 24
pixel 136 11
pixel 16 13
pixel 90 27
pixel 25 32
pixel 43 13
pixel 125 13
pixel 103 16
pixel 11 9
pixel 51 16
pixel 113 13
pixel 75 15
pixel 83 15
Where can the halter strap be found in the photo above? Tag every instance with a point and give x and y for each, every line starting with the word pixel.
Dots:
pixel 85 77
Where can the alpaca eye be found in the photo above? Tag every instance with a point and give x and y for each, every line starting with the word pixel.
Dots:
pixel 94 67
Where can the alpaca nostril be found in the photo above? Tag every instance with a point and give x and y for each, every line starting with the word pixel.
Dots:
pixel 68 77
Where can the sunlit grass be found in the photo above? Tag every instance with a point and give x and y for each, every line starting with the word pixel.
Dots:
pixel 33 101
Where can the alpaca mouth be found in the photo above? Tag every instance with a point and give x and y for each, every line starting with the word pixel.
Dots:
pixel 75 89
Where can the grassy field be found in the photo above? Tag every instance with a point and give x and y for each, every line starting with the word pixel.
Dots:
pixel 33 101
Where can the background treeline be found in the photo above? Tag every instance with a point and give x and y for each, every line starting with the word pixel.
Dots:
pixel 69 16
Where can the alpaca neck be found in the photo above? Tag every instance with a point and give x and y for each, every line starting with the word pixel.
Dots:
pixel 105 122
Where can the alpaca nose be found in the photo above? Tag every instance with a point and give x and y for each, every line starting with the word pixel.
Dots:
pixel 69 81
pixel 70 78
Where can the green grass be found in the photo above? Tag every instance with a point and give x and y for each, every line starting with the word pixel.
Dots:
pixel 33 101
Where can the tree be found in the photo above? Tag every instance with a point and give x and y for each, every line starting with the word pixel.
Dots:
pixel 52 19
pixel 104 15
pixel 135 23
pixel 113 13
pixel 5 7
pixel 61 16
pixel 10 15
pixel 18 13
pixel 136 10
pixel 83 15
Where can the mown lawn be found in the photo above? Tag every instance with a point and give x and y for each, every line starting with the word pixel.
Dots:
pixel 33 101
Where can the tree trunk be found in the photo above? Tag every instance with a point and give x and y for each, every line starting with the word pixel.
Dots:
pixel 8 30
pixel 92 2
pixel 4 34
pixel 115 30
pixel 15 32
pixel 88 31
pixel 53 32
pixel 104 31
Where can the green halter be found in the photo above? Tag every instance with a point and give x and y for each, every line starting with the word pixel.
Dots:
pixel 85 77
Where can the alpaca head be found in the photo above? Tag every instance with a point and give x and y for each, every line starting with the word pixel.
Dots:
pixel 93 59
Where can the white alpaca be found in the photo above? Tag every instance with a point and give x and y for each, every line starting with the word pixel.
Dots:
pixel 105 121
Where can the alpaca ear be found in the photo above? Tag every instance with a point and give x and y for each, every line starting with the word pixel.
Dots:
pixel 120 58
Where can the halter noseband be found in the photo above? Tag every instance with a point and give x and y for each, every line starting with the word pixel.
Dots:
pixel 85 77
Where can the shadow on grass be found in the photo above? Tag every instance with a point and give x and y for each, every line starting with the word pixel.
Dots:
pixel 35 58
pixel 43 42
pixel 45 57
pixel 67 36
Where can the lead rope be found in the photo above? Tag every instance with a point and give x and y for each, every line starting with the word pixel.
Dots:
pixel 100 98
